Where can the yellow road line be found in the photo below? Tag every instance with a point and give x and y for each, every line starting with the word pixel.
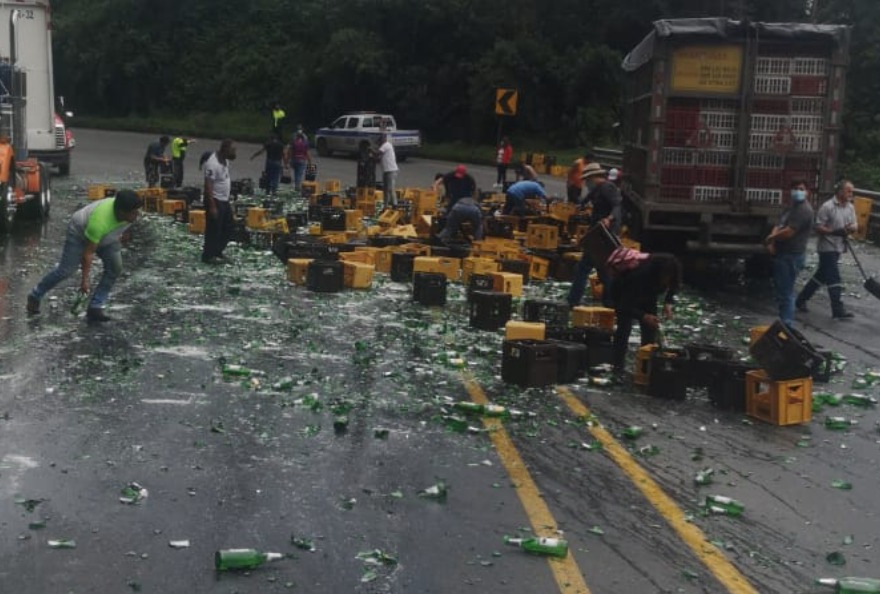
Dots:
pixel 726 573
pixel 566 572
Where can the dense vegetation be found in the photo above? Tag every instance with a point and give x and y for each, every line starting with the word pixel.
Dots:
pixel 434 63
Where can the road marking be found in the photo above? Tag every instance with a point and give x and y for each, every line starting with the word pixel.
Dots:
pixel 725 571
pixel 566 572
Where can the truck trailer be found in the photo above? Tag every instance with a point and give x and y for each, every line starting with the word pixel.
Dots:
pixel 720 118
pixel 48 139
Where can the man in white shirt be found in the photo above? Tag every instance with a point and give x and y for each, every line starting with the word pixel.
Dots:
pixel 218 221
pixel 388 160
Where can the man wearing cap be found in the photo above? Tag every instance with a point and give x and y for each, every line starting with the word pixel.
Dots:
pixel 94 229
pixel 518 193
pixel 461 190
pixel 607 210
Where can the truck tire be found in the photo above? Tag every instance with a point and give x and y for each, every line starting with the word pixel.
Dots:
pixel 322 147
pixel 38 207
pixel 7 209
pixel 64 166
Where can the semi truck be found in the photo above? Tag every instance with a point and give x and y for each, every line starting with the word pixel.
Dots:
pixel 720 118
pixel 48 138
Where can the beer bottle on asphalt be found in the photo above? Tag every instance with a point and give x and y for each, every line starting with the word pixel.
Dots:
pixel 242 559
pixel 852 585
pixel 724 505
pixel 555 547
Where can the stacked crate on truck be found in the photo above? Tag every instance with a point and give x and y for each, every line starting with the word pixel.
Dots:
pixel 721 117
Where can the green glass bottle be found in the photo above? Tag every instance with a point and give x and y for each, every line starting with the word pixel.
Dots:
pixel 704 477
pixel 555 547
pixel 633 432
pixel 236 370
pixel 456 423
pixel 860 400
pixel 838 423
pixel 340 423
pixel 724 505
pixel 852 585
pixel 242 559
pixel 495 410
pixel 78 302
pixel 468 406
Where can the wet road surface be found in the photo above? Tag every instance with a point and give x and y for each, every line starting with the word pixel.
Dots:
pixel 255 462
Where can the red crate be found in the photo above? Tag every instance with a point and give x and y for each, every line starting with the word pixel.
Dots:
pixel 764 178
pixel 810 86
pixel 676 193
pixel 678 176
pixel 683 117
pixel 770 106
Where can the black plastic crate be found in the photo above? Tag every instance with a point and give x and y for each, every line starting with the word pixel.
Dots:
pixel 529 363
pixel 479 282
pixel 324 276
pixel 332 218
pixel 784 353
pixel 295 220
pixel 727 391
pixel 669 375
pixel 598 341
pixel 386 240
pixel 402 267
pixel 552 313
pixel 496 227
pixel 429 288
pixel 705 361
pixel 572 360
pixel 518 267
pixel 490 310
pixel 451 250
pixel 562 269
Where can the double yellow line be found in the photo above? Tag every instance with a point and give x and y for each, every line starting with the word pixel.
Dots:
pixel 566 572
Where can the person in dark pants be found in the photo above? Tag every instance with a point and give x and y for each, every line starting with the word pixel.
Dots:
pixel 154 158
pixel 635 298
pixel 461 190
pixel 607 208
pixel 178 154
pixel 835 220
pixel 218 222
pixel 517 194
pixel 96 229
pixel 787 243
pixel 274 150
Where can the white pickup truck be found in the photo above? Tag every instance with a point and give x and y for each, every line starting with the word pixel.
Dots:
pixel 357 133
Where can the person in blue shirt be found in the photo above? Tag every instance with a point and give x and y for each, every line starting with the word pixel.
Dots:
pixel 518 193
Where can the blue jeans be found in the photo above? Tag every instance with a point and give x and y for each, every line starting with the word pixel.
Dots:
pixel 786 268
pixel 389 188
pixel 71 258
pixel 579 283
pixel 828 274
pixel 459 214
pixel 273 175
pixel 299 171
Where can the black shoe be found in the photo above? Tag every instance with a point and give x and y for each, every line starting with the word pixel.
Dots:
pixel 33 305
pixel 843 315
pixel 801 306
pixel 96 314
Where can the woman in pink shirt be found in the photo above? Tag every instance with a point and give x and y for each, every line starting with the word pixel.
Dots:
pixel 298 157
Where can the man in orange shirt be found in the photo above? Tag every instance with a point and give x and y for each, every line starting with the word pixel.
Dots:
pixel 575 185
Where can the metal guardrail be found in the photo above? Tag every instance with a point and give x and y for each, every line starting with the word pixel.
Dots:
pixel 608 157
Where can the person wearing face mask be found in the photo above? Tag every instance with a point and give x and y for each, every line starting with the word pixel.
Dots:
pixel 835 220
pixel 219 225
pixel 787 242
pixel 607 203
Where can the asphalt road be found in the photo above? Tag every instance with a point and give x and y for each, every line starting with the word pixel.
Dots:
pixel 231 463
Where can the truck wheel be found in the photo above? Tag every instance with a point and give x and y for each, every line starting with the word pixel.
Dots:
pixel 38 206
pixel 64 167
pixel 322 147
pixel 7 209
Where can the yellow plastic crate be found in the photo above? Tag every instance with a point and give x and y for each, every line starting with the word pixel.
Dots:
pixel 642 371
pixel 316 229
pixel 332 185
pixel 197 221
pixel 788 402
pixel 297 270
pixel 99 191
pixel 169 207
pixel 354 220
pixel 539 268
pixel 592 317
pixel 507 282
pixel 514 330
pixel 382 260
pixel 390 217
pixel 542 237
pixel 449 267
pixel 256 217
pixel 357 275
pixel 477 265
